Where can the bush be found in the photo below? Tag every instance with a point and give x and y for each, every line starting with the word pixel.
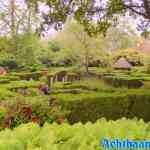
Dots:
pixel 123 81
pixel 75 137
pixel 22 84
pixel 8 60
pixel 36 67
pixel 20 52
pixel 3 81
pixel 28 75
pixel 112 105
pixel 6 94
pixel 9 77
pixel 3 112
pixel 40 109
pixel 135 57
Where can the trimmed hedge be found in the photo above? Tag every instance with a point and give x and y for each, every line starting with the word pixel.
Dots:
pixel 4 81
pixel 6 94
pixel 22 84
pixel 123 81
pixel 28 75
pixel 90 107
pixel 9 77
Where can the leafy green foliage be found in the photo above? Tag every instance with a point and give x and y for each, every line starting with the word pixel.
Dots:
pixel 135 57
pixel 21 84
pixel 27 75
pixel 7 59
pixel 40 109
pixel 84 100
pixel 115 6
pixel 54 46
pixel 112 104
pixel 2 112
pixel 78 47
pixel 21 51
pixel 6 94
pixel 78 136
pixel 26 48
pixel 5 44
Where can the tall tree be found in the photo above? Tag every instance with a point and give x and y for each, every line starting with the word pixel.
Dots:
pixel 83 11
pixel 12 14
pixel 32 15
pixel 17 16
pixel 137 9
pixel 96 50
pixel 101 12
pixel 95 15
pixel 75 38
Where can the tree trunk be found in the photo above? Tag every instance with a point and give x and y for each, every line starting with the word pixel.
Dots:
pixel 12 13
pixel 87 61
pixel 29 17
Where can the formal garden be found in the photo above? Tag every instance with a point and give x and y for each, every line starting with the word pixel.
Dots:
pixel 73 73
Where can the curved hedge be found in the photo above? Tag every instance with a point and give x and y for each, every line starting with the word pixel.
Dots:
pixel 112 105
pixel 124 81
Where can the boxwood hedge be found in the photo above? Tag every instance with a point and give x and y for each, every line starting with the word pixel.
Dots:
pixel 90 107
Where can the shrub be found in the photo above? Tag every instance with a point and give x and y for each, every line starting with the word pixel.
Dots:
pixel 3 112
pixel 3 81
pixel 40 109
pixel 135 57
pixel 13 86
pixel 46 109
pixel 6 94
pixel 9 77
pixel 75 137
pixel 28 75
pixel 112 105
pixel 123 81
pixel 8 60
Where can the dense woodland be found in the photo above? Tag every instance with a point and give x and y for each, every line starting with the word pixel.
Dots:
pixel 73 72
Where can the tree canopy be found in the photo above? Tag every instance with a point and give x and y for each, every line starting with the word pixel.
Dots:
pixel 95 15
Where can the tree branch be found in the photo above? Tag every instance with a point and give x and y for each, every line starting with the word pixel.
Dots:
pixel 135 11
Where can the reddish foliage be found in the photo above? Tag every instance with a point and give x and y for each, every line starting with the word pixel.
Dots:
pixel 36 119
pixel 60 120
pixel 27 111
pixel 3 71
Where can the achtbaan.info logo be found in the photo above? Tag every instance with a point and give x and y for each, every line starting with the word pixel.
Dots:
pixel 125 144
